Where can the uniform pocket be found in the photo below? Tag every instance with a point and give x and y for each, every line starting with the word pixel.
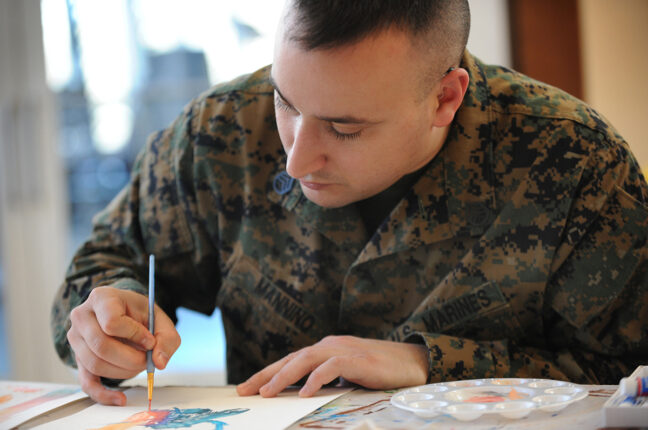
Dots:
pixel 601 264
pixel 481 313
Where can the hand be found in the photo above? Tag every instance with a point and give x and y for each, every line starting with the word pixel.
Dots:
pixel 374 364
pixel 109 336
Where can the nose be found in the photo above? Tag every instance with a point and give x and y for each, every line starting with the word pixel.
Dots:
pixel 306 154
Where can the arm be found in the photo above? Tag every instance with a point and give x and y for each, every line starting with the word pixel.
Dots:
pixel 146 217
pixel 594 307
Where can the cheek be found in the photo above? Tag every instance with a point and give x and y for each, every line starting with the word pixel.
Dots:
pixel 415 140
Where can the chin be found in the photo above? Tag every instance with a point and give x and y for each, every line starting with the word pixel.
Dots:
pixel 327 201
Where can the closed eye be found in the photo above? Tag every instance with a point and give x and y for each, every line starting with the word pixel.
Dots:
pixel 280 103
pixel 343 136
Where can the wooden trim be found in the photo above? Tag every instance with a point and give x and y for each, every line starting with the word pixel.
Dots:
pixel 545 42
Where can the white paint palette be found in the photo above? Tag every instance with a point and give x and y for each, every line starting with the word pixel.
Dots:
pixel 509 397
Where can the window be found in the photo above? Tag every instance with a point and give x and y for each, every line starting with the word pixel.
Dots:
pixel 125 68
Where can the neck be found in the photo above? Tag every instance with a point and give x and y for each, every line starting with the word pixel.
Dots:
pixel 439 135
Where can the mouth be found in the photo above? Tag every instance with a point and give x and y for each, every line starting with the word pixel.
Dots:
pixel 316 186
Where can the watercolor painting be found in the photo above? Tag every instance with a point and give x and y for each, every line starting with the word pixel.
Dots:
pixel 175 418
pixel 343 414
pixel 21 401
pixel 26 389
pixel 37 401
pixel 214 408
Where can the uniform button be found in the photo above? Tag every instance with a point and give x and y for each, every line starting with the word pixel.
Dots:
pixel 283 183
pixel 478 214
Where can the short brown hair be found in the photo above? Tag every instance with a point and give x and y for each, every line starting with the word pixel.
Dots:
pixel 440 24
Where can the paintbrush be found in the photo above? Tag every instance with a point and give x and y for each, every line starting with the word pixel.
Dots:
pixel 150 368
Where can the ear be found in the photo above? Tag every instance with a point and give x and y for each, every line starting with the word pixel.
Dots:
pixel 451 92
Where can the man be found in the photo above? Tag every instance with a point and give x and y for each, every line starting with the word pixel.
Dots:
pixel 378 206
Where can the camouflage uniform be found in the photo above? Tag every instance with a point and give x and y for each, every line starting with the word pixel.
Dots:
pixel 520 251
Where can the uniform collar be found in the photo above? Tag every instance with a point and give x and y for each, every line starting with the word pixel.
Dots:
pixel 343 226
pixel 454 197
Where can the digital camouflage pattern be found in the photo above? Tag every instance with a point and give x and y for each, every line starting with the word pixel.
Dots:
pixel 520 252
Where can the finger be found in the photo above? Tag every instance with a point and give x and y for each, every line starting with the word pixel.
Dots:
pixel 92 386
pixel 111 313
pixel 167 339
pixel 305 361
pixel 259 379
pixel 331 369
pixel 95 365
pixel 105 347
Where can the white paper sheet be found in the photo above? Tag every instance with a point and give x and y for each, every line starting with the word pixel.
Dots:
pixel 198 408
pixel 22 401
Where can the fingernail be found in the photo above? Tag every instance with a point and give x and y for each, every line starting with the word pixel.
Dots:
pixel 163 358
pixel 118 401
pixel 148 343
pixel 243 389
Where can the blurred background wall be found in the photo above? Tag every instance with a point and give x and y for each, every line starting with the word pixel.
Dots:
pixel 614 38
pixel 593 49
pixel 82 83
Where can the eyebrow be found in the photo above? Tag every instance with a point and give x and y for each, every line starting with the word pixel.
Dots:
pixel 345 119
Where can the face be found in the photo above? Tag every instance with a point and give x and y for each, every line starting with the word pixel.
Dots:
pixel 351 119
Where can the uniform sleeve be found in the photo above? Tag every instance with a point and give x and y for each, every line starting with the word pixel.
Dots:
pixel 151 215
pixel 595 311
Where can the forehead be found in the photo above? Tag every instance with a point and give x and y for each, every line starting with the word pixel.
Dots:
pixel 363 74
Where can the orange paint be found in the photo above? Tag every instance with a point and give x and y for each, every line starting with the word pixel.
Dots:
pixel 5 398
pixel 486 399
pixel 25 389
pixel 516 395
pixel 139 419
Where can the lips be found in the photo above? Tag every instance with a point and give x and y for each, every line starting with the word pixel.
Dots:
pixel 316 186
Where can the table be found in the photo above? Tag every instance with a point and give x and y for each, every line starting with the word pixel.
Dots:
pixel 363 409
pixel 367 410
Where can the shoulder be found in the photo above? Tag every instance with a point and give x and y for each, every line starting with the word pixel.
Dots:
pixel 224 117
pixel 532 114
pixel 229 127
pixel 241 101
pixel 257 82
pixel 514 94
pixel 530 123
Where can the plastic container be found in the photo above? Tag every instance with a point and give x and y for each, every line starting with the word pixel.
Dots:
pixel 625 408
pixel 467 400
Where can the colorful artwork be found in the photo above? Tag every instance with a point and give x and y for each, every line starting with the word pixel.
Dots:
pixel 25 389
pixel 21 401
pixel 174 418
pixel 31 403
pixel 217 408
pixel 328 417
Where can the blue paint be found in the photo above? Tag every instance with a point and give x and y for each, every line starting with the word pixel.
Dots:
pixel 179 418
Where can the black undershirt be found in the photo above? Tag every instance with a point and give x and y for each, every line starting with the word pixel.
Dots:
pixel 375 209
